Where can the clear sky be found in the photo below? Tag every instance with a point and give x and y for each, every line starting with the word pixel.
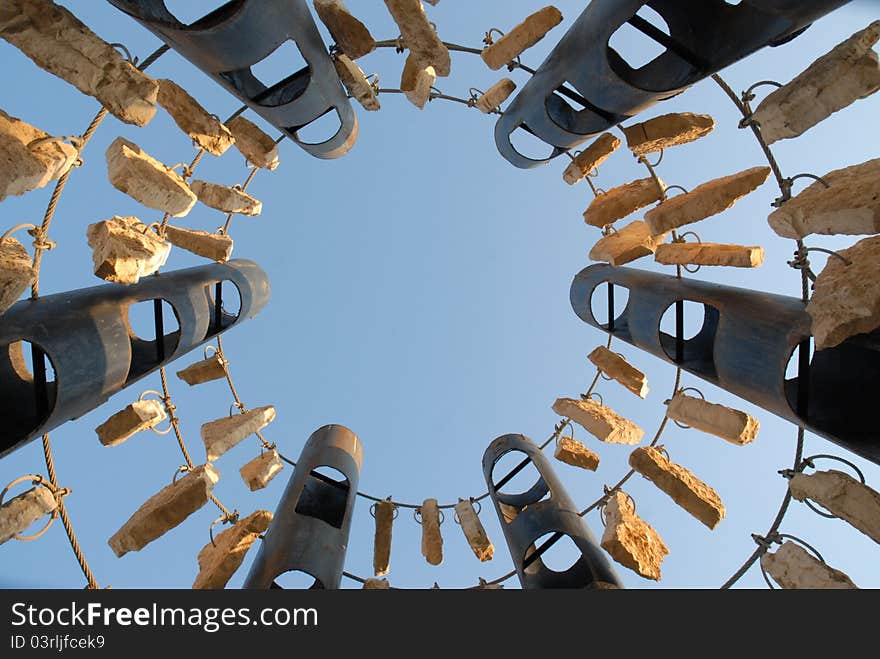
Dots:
pixel 420 297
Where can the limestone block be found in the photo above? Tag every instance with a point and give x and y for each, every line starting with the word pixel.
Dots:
pixel 705 201
pixel 572 452
pixel 496 95
pixel 165 510
pixel 667 131
pixel 473 530
pixel 255 145
pixel 843 496
pixel 384 513
pixel 680 484
pixel 630 540
pixel 621 202
pixel 425 47
pixel 485 585
pixel 736 256
pixel 521 38
pixel 600 421
pixel 219 560
pixel 142 415
pixel 202 371
pixel 837 79
pixel 432 541
pixel 226 198
pixel 16 272
pixel 590 158
pixel 124 250
pixel 62 45
pixel 626 245
pixel 725 422
pixel 261 470
pixel 617 368
pixel 846 298
pixel 416 82
pixel 221 435
pixel 206 130
pixel 352 36
pixel 29 163
pixel 214 246
pixel 794 567
pixel 376 584
pixel 356 83
pixel 851 206
pixel 21 511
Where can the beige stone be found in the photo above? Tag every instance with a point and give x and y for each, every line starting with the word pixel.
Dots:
pixel 485 585
pixel 572 452
pixel 617 368
pixel 205 370
pixel 351 35
pixel 793 567
pixel 124 250
pixel 736 256
pixel 221 435
pixel 725 422
pixel 226 198
pixel 522 37
pixel 18 513
pixel 850 206
pixel 417 82
pixel 837 79
pixel 384 513
pixel 496 95
pixel 214 246
pixel 473 531
pixel 630 243
pixel 600 421
pixel 261 470
pixel 376 584
pixel 255 145
pixel 425 47
pixel 667 131
pixel 205 130
pixel 680 484
pixel 142 415
pixel 630 540
pixel 432 541
pixel 219 560
pixel 590 158
pixel 165 510
pixel 705 201
pixel 58 42
pixel 16 272
pixel 355 81
pixel 622 201
pixel 843 496
pixel 846 298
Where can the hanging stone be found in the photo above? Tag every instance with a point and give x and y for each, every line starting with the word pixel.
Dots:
pixel 351 36
pixel 705 201
pixel 226 198
pixel 219 560
pixel 416 82
pixel 837 79
pixel 61 44
pixel 384 512
pixel 255 145
pixel 617 368
pixel 473 530
pixel 205 130
pixel 165 510
pixel 793 567
pixel 572 452
pixel 681 484
pixel 496 95
pixel 142 415
pixel 376 584
pixel 124 250
pixel 626 245
pixel 843 496
pixel 356 82
pixel 735 256
pixel 432 541
pixel 20 512
pixel 425 47
pixel 667 131
pixel 621 202
pixel 630 540
pixel 600 421
pixel 485 585
pixel 206 370
pixel 590 158
pixel 522 37
pixel 16 272
pixel 725 422
pixel 258 472
pixel 214 246
pixel 221 435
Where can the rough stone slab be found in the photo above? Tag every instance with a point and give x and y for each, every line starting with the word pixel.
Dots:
pixel 355 81
pixel 851 206
pixel 417 82
pixel 725 422
pixel 61 44
pixel 351 36
pixel 203 371
pixel 837 79
pixel 496 95
pixel 572 452
pixel 376 584
pixel 220 560
pixel 590 158
pixel 425 47
pixel 794 567
pixel 261 470
pixel 124 250
pixel 206 130
pixel 214 246
pixel 226 198
pixel 221 435
pixel 843 496
pixel 16 272
pixel 667 131
pixel 617 368
pixel 165 510
pixel 384 513
pixel 485 585
pixel 432 541
pixel 142 415
pixel 473 531
pixel 632 242
pixel 736 256
pixel 602 422
pixel 621 202
pixel 18 513
pixel 630 540
pixel 705 201
pixel 26 167
pixel 522 37
pixel 846 298
pixel 680 484
pixel 255 145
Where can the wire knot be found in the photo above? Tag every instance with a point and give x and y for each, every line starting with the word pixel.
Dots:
pixel 41 242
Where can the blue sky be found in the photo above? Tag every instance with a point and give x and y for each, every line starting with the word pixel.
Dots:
pixel 420 297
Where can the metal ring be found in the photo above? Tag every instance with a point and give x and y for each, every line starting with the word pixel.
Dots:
pixel 17 227
pixel 597 395
pixel 210 347
pixel 808 462
pixel 662 449
pixel 222 518
pixel 747 95
pixel 151 391
pixel 604 376
pixel 694 389
pixel 125 50
pixel 805 544
pixel 37 482
pixel 644 160
pixel 416 514
pixel 677 187
pixel 180 470
pixel 692 269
